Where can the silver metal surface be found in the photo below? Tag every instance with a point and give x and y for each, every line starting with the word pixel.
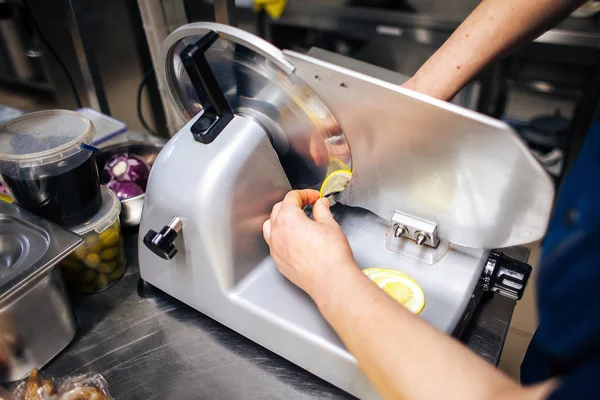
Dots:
pixel 223 192
pixel 409 227
pixel 148 345
pixel 176 224
pixel 131 209
pixel 466 172
pixel 258 83
pixel 36 321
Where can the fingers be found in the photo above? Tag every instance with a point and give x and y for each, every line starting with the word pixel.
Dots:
pixel 267 231
pixel 300 198
pixel 275 210
pixel 321 211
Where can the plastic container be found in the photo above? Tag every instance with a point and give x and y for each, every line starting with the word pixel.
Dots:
pixel 100 261
pixel 46 169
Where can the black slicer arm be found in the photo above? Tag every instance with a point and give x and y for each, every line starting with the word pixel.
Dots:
pixel 216 111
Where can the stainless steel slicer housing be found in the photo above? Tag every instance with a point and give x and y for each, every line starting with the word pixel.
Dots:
pixel 435 188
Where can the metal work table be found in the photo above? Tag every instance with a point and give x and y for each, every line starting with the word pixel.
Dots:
pixel 150 346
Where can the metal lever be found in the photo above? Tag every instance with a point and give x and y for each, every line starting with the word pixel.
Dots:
pixel 505 276
pixel 163 244
pixel 216 111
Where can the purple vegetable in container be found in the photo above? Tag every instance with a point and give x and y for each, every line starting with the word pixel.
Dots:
pixel 125 190
pixel 126 168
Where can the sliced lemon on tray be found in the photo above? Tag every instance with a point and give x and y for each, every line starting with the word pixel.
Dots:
pixel 399 286
pixel 335 182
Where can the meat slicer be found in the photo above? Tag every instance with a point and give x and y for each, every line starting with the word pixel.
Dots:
pixel 435 189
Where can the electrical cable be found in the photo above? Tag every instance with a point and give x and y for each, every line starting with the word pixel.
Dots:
pixel 139 101
pixel 54 54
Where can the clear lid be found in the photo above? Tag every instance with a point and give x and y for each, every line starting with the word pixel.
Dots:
pixel 44 136
pixel 105 217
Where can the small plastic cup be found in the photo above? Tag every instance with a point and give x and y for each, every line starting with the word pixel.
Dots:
pixel 100 261
pixel 46 169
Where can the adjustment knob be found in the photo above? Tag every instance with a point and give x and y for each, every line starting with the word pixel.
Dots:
pixel 505 276
pixel 163 244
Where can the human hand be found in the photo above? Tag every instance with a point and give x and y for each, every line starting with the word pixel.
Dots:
pixel 306 251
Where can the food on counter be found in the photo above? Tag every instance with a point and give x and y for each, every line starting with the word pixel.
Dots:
pixel 126 175
pixel 100 261
pixel 335 182
pixel 80 387
pixel 84 393
pixel 399 286
pixel 125 190
pixel 97 263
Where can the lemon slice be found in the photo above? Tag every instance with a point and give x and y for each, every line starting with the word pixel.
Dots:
pixel 399 286
pixel 335 164
pixel 335 182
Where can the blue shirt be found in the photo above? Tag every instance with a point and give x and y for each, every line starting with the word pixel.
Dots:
pixel 566 344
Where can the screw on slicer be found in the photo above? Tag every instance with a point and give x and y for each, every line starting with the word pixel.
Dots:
pixel 421 238
pixel 399 230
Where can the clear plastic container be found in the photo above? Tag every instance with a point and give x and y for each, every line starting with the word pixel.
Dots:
pixel 100 261
pixel 46 169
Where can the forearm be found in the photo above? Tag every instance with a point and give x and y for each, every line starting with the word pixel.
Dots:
pixel 402 355
pixel 490 32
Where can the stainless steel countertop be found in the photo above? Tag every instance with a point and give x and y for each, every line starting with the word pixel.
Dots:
pixel 438 16
pixel 150 346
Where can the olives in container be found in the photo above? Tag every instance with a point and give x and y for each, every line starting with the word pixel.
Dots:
pixel 100 261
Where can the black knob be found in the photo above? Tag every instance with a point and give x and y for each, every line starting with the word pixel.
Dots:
pixel 163 244
pixel 505 276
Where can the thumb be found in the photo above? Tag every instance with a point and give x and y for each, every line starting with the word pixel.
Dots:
pixel 267 231
pixel 321 212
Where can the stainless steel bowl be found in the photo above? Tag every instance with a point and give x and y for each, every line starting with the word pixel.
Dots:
pixel 131 209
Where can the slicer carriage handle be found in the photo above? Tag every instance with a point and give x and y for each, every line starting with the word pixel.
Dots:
pixel 216 111
pixel 163 243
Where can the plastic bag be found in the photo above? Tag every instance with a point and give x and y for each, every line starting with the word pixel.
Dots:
pixel 79 387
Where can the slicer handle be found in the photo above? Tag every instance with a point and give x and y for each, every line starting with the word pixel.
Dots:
pixel 163 244
pixel 505 276
pixel 217 113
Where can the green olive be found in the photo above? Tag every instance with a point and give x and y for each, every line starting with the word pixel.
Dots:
pixel 101 281
pixel 71 265
pixel 117 273
pixel 90 240
pixel 108 231
pixel 92 260
pixel 80 253
pixel 106 267
pixel 87 275
pixel 111 239
pixel 97 248
pixel 110 253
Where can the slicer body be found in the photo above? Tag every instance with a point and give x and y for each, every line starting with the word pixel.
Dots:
pixel 221 191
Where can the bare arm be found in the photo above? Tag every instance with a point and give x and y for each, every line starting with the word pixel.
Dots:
pixel 406 357
pixel 401 354
pixel 492 30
